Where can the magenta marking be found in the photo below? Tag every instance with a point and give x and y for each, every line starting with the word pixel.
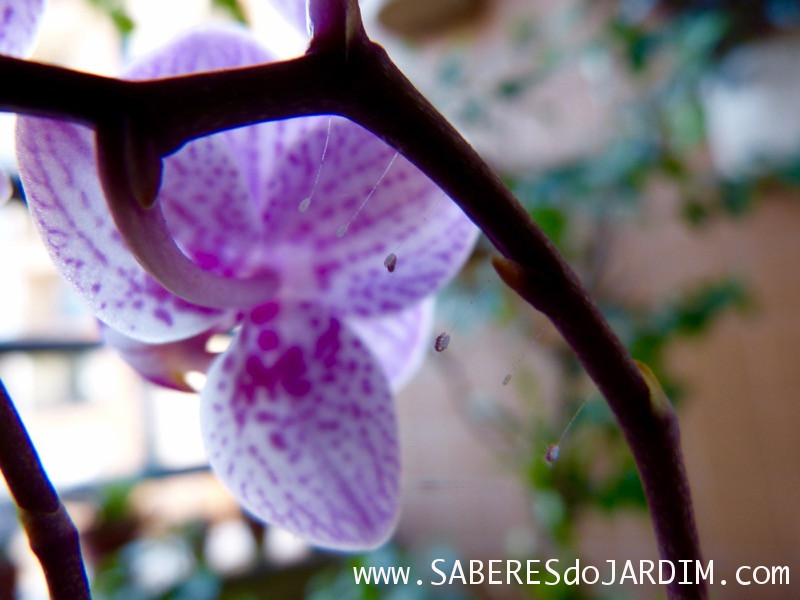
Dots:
pixel 264 313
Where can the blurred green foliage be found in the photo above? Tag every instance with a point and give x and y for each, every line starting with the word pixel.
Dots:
pixel 232 9
pixel 119 16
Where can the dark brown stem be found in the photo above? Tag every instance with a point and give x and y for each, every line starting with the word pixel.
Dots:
pixel 51 533
pixel 361 83
pixel 48 91
pixel 392 107
pixel 645 415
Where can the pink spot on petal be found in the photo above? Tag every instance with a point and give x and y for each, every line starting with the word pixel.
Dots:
pixel 162 315
pixel 278 441
pixel 264 313
pixel 268 340
pixel 328 345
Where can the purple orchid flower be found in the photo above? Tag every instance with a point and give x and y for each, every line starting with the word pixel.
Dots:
pixel 297 414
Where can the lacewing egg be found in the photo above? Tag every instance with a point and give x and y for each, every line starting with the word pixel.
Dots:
pixel 391 262
pixel 442 342
pixel 551 456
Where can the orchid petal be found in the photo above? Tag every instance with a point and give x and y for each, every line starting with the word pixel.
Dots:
pixel 381 204
pixel 208 209
pixel 205 195
pixel 19 20
pixel 398 340
pixel 206 199
pixel 299 424
pixel 167 364
pixel 294 11
pixel 213 49
pixel 58 169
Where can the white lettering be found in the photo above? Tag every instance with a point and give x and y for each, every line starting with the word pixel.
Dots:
pixel 590 569
pixel 738 579
pixel 661 579
pixel 532 572
pixel 438 572
pixel 475 568
pixel 646 571
pixel 685 581
pixel 493 572
pixel 628 572
pixel 613 578
pixel 576 579
pixel 759 569
pixel 780 572
pixel 707 575
pixel 457 573
pixel 553 571
pixel 514 572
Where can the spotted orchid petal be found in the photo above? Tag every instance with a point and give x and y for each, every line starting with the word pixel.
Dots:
pixel 364 202
pixel 19 20
pixel 216 48
pixel 167 364
pixel 58 170
pixel 298 422
pixel 206 199
pixel 398 340
pixel 244 154
pixel 207 206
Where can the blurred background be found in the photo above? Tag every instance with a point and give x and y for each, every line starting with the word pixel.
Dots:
pixel 656 142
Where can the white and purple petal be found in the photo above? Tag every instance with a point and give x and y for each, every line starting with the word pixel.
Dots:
pixel 19 20
pixel 213 49
pixel 298 422
pixel 398 340
pixel 209 186
pixel 366 202
pixel 167 364
pixel 206 198
pixel 294 11
pixel 207 205
pixel 57 165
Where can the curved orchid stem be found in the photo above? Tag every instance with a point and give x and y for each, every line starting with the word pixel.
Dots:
pixel 353 77
pixel 129 163
pixel 130 170
pixel 51 533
